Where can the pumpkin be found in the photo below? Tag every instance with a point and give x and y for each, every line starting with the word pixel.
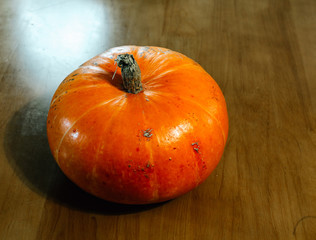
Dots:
pixel 138 125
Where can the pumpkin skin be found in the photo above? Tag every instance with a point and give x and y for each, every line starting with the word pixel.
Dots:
pixel 138 148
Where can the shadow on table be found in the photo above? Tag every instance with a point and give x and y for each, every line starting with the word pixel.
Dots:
pixel 28 152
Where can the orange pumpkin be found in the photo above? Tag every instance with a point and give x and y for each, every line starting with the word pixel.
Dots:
pixel 146 133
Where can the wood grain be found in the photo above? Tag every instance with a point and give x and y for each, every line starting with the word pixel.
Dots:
pixel 261 53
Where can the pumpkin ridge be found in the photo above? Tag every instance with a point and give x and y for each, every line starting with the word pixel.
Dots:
pixel 74 89
pixel 154 82
pixel 162 74
pixel 81 116
pixel 110 121
pixel 91 70
pixel 205 110
pixel 92 67
pixel 154 182
pixel 210 114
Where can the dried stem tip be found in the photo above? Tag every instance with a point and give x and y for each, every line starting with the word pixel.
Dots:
pixel 130 73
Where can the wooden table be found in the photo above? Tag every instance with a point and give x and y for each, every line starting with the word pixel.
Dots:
pixel 261 53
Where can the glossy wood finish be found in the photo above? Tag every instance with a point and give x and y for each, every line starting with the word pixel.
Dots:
pixel 261 53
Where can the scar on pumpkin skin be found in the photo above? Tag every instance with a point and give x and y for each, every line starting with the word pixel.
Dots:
pixel 197 148
pixel 147 133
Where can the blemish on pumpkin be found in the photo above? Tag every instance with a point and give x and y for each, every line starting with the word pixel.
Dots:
pixel 196 146
pixel 137 149
pixel 148 165
pixel 147 133
pixel 74 130
pixel 170 158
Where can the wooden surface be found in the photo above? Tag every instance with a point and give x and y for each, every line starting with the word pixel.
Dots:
pixel 261 53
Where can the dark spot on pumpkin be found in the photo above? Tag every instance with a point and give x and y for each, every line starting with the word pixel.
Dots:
pixel 129 165
pixel 147 133
pixel 137 149
pixel 74 130
pixel 196 146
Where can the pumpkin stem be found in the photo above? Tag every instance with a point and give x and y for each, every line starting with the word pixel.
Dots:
pixel 130 73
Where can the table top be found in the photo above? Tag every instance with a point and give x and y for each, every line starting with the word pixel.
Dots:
pixel 262 55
